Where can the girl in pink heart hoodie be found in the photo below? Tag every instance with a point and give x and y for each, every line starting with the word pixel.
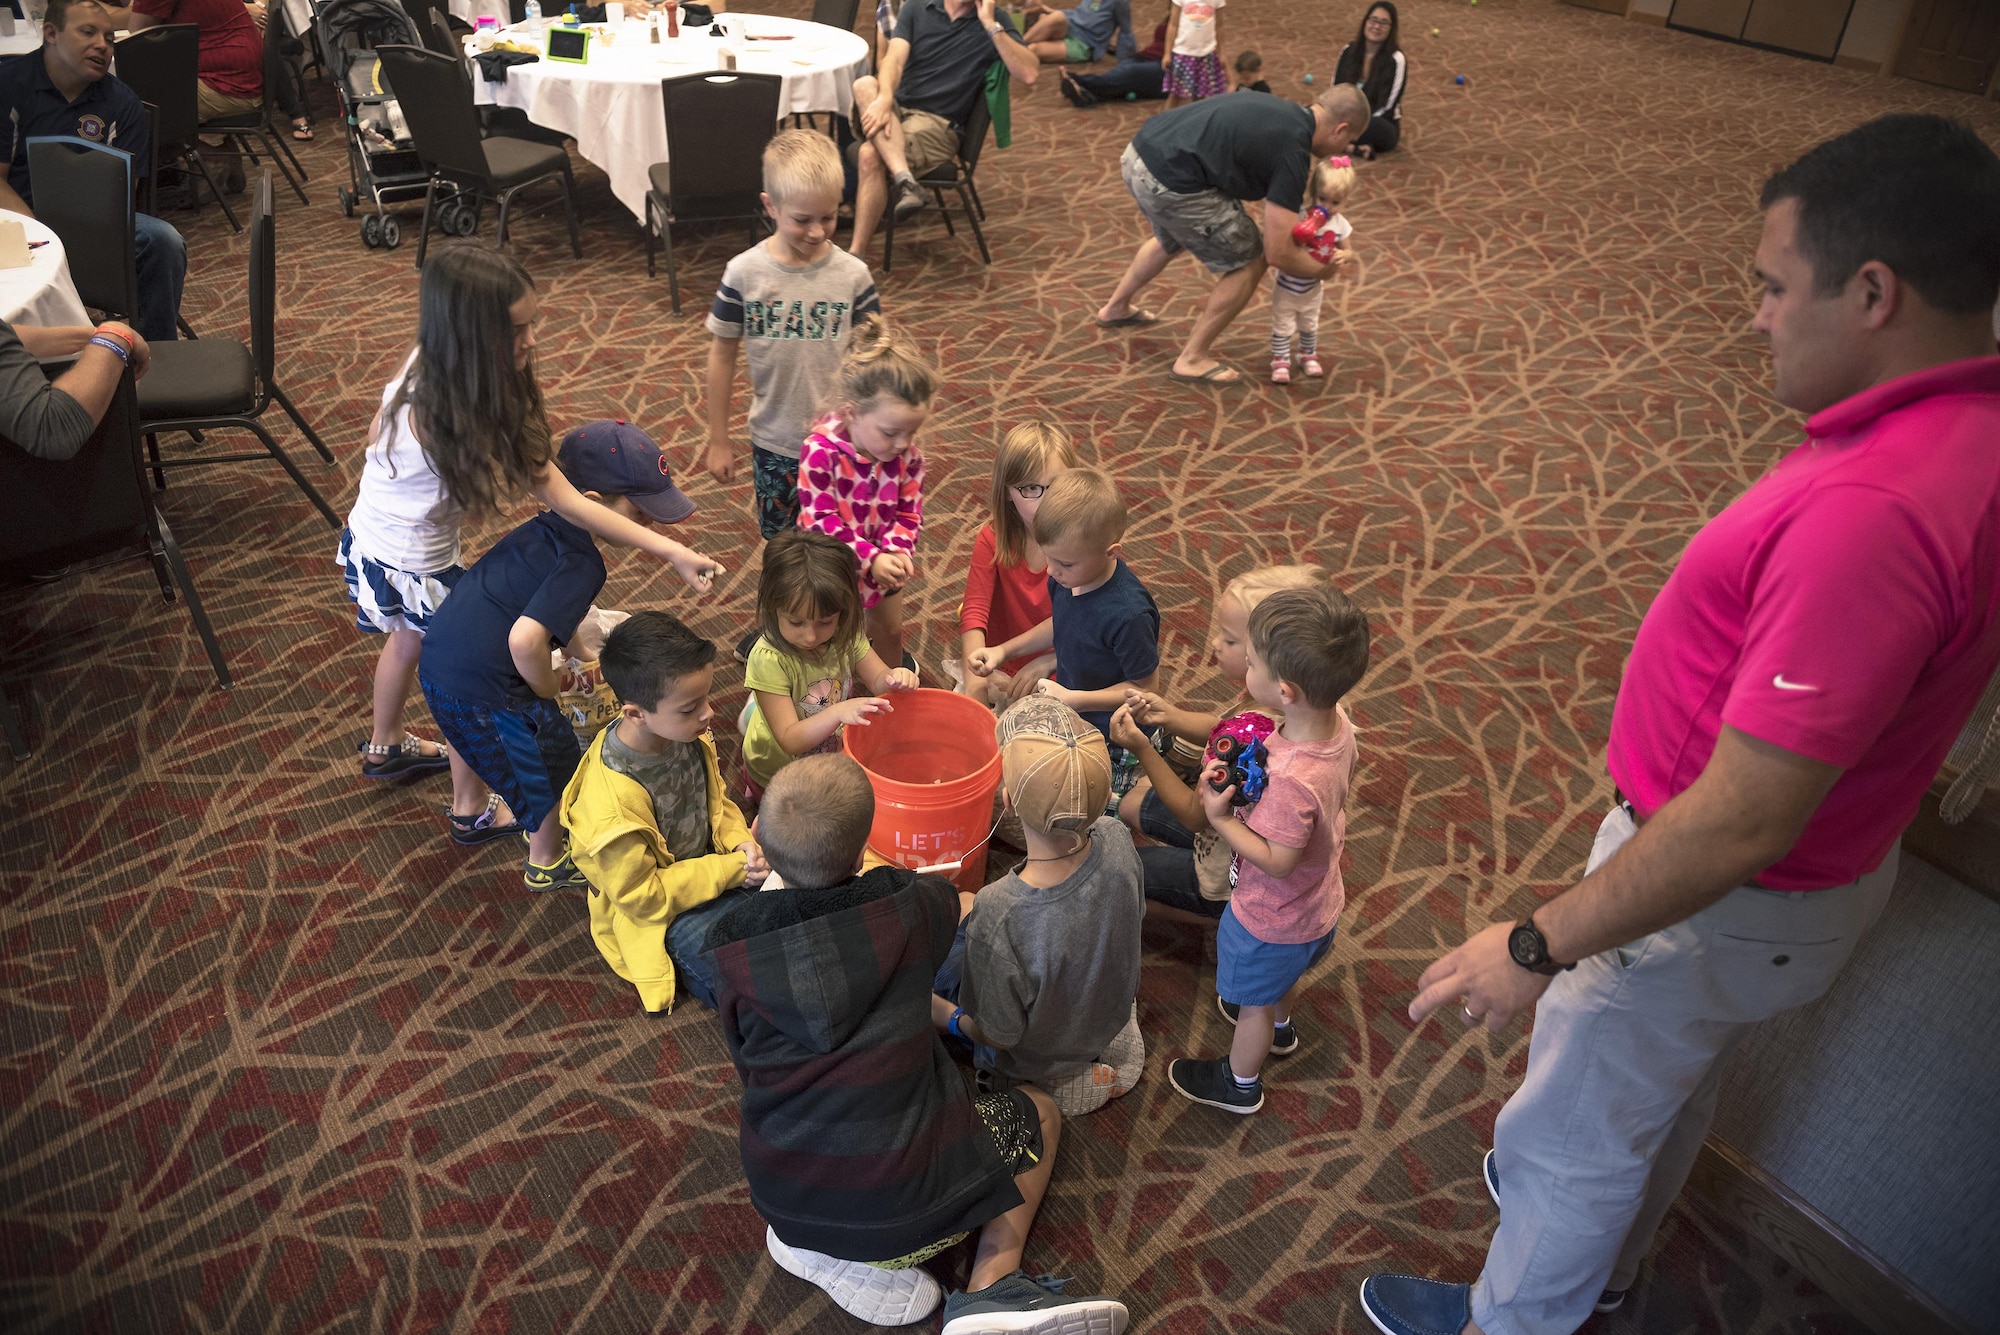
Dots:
pixel 861 475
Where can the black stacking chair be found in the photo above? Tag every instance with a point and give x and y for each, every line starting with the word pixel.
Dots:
pixel 217 382
pixel 504 122
pixel 955 176
pixel 86 182
pixel 83 192
pixel 717 126
pixel 834 14
pixel 262 124
pixel 105 507
pixel 160 64
pixel 285 55
pixel 436 98
pixel 434 26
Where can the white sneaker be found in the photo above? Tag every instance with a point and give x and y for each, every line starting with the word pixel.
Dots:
pixel 879 1297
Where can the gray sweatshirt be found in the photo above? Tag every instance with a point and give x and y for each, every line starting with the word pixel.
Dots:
pixel 34 414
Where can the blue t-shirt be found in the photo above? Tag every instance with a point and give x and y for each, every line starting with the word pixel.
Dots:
pixel 1093 21
pixel 1106 636
pixel 547 569
pixel 106 112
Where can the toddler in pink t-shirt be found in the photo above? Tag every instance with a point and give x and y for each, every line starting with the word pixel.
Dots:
pixel 1308 649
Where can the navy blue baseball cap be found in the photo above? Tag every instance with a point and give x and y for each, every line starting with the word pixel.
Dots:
pixel 614 458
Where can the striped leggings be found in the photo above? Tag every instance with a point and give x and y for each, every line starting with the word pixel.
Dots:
pixel 1295 312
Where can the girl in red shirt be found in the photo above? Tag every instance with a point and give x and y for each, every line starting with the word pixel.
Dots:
pixel 1007 590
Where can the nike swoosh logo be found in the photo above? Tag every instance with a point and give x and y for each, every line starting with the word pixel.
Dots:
pixel 1783 685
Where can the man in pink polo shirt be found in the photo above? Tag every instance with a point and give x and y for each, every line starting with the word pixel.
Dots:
pixel 1790 696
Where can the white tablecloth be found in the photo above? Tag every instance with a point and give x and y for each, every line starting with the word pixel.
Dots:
pixel 40 293
pixel 26 38
pixel 612 107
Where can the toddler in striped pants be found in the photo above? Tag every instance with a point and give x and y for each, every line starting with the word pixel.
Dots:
pixel 1295 301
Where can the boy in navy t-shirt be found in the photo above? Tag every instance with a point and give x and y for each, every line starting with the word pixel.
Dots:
pixel 1106 628
pixel 486 668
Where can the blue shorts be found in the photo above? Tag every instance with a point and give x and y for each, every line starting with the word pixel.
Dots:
pixel 1249 972
pixel 527 754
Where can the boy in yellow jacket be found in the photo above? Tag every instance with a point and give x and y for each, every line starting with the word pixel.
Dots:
pixel 664 848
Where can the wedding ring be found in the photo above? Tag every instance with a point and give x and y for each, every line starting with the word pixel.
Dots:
pixel 1466 1011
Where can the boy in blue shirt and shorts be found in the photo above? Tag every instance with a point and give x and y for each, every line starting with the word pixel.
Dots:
pixel 486 669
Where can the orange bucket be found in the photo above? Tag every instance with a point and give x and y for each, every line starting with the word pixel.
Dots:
pixel 934 766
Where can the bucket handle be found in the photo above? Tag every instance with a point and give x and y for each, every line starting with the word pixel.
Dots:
pixel 942 867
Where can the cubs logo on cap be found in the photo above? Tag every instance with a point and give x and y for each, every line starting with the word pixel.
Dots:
pixel 615 458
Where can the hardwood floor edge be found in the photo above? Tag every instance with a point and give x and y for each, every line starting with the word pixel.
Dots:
pixel 1741 1193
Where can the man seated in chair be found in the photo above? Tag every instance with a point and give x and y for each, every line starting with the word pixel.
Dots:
pixel 62 88
pixel 230 64
pixel 909 112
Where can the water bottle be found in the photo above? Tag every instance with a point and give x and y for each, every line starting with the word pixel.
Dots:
pixel 533 13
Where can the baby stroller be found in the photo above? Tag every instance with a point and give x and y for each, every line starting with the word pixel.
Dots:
pixel 382 162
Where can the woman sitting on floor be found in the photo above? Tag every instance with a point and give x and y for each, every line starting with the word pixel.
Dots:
pixel 1375 61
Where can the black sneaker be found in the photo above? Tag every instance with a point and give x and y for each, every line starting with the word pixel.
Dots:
pixel 1212 1083
pixel 1038 1306
pixel 910 200
pixel 747 643
pixel 1075 92
pixel 1610 1300
pixel 908 661
pixel 1284 1038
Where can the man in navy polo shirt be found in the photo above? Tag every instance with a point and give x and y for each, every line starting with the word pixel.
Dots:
pixel 64 89
pixel 908 113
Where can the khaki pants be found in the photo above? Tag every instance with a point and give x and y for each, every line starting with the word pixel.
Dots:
pixel 928 139
pixel 211 105
pixel 1623 1070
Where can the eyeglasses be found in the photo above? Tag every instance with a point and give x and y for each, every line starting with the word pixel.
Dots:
pixel 1029 491
pixel 1377 21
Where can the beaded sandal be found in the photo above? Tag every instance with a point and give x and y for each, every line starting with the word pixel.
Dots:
pixel 483 828
pixel 400 760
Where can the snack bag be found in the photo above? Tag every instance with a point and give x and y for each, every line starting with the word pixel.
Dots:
pixel 582 695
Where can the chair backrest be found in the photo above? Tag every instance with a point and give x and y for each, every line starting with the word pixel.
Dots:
pixel 83 192
pixel 836 13
pixel 100 493
pixel 717 125
pixel 436 99
pixel 264 281
pixel 161 65
pixel 973 139
pixel 437 36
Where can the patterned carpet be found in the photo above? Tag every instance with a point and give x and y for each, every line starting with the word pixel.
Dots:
pixel 278 1057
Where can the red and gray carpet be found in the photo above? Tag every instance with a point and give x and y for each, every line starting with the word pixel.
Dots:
pixel 279 1057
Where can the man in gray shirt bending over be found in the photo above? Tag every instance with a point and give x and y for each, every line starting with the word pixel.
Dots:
pixel 1044 978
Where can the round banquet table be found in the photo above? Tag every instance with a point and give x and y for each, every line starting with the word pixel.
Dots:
pixel 27 37
pixel 40 293
pixel 612 106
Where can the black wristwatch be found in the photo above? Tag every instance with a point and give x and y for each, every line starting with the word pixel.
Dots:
pixel 1530 949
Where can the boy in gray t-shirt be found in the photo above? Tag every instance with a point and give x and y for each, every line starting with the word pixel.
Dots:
pixel 1044 980
pixel 793 298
